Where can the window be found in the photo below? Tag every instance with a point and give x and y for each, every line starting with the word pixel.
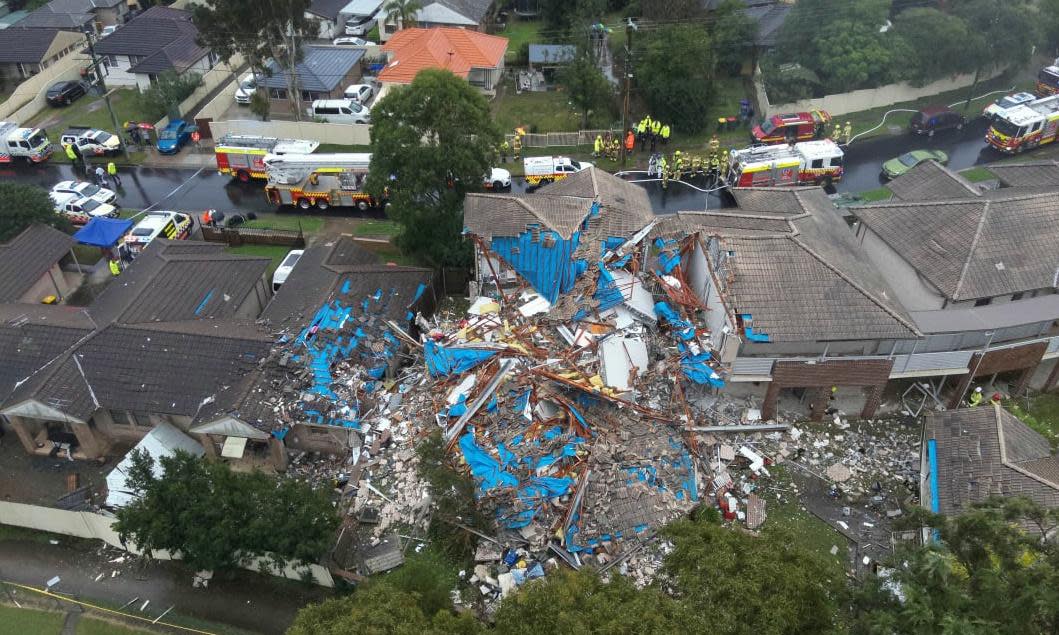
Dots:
pixel 277 93
pixel 1016 296
pixel 111 60
pixel 135 59
pixel 142 419
pixel 983 302
pixel 817 163
pixel 122 418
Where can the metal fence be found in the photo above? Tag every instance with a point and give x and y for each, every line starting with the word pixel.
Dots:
pixel 237 236
pixel 561 139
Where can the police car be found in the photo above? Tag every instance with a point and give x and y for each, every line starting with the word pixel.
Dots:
pixel 91 142
pixel 80 210
pixel 84 189
pixel 171 225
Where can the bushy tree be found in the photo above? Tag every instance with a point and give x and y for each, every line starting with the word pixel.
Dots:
pixel 732 33
pixel 939 43
pixel 219 519
pixel 675 76
pixel 24 205
pixel 572 16
pixel 454 500
pixel 672 9
pixel 432 142
pixel 165 94
pixel 589 91
pixel 987 574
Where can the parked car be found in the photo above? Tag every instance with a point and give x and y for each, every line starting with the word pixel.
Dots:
pixel 285 267
pixel 360 93
pixel 173 136
pixel 80 210
pixel 84 189
pixel 497 179
pixel 246 89
pixel 360 24
pixel 897 166
pixel 936 119
pixel 107 30
pixel 159 224
pixel 64 93
pixel 352 41
pixel 91 141
pixel 340 111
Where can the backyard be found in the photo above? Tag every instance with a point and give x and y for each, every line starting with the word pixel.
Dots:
pixel 91 111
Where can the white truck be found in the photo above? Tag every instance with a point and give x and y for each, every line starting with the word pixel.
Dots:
pixel 544 170
pixel 30 144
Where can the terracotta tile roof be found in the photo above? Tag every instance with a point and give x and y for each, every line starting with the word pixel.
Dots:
pixel 457 50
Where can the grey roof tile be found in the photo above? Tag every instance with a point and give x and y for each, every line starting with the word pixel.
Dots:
pixel 24 45
pixel 28 256
pixel 29 343
pixel 475 10
pixel 774 200
pixel 322 68
pixel 931 181
pixel 1029 174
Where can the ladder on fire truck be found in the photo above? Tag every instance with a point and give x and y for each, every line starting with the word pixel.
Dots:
pixel 287 169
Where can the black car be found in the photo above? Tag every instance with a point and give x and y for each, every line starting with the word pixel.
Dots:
pixel 64 93
pixel 935 119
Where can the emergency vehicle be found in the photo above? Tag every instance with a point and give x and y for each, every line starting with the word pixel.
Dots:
pixel 1048 81
pixel 544 170
pixel 243 156
pixel 171 225
pixel 791 128
pixel 1025 127
pixel 808 163
pixel 79 209
pixel 91 142
pixel 318 180
pixel 1006 103
pixel 29 143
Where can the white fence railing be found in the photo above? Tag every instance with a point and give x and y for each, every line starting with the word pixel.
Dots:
pixel 337 133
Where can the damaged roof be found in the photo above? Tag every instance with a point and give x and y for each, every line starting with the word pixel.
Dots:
pixel 988 451
pixel 974 248
pixel 28 256
pixel 1029 174
pixel 32 336
pixel 931 181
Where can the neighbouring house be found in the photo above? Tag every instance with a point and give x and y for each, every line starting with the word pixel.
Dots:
pixel 9 20
pixel 326 12
pixel 971 454
pixel 1029 174
pixel 462 14
pixel 476 57
pixel 158 40
pixel 550 56
pixel 26 52
pixel 768 16
pixel 31 265
pixel 77 15
pixel 323 73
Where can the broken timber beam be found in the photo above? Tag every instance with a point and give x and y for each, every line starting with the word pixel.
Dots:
pixel 764 427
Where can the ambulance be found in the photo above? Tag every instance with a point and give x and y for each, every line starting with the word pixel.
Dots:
pixel 159 224
pixel 791 127
pixel 544 170
pixel 808 163
pixel 243 156
pixel 1025 127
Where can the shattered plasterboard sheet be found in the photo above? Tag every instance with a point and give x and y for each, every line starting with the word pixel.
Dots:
pixel 623 358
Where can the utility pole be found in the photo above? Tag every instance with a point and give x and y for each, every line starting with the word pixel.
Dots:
pixel 630 26
pixel 97 69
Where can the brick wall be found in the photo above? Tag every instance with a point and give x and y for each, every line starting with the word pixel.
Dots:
pixel 820 376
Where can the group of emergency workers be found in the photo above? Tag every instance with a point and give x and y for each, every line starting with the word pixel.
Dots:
pixel 678 166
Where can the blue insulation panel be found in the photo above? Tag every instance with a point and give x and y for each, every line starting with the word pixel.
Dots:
pixel 550 270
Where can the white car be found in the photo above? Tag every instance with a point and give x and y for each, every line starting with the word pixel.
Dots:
pixel 359 24
pixel 352 41
pixel 246 89
pixel 285 267
pixel 360 93
pixel 81 210
pixel 107 30
pixel 84 189
pixel 155 224
pixel 498 179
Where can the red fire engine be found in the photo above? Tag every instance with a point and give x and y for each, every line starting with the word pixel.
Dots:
pixel 243 156
pixel 808 163
pixel 791 128
pixel 1048 81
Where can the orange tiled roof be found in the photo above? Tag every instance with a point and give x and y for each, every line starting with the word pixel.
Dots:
pixel 457 50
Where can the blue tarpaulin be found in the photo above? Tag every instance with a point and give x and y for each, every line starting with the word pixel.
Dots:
pixel 544 258
pixel 607 292
pixel 669 254
pixel 697 369
pixel 485 468
pixel 103 232
pixel 682 328
pixel 443 361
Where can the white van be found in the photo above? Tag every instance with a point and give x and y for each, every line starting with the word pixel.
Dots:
pixel 360 24
pixel 283 270
pixel 340 111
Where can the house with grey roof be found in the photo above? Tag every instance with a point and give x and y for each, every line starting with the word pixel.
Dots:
pixel 323 73
pixel 77 15
pixel 332 15
pixel 159 40
pixel 24 52
pixel 463 14
pixel 930 180
pixel 1028 174
pixel 971 454
pixel 31 265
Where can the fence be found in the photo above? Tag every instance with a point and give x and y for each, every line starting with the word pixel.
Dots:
pixel 98 527
pixel 237 236
pixel 332 133
pixel 868 98
pixel 561 139
pixel 28 98
pixel 217 77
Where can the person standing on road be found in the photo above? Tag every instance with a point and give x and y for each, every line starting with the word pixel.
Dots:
pixel 848 132
pixel 112 171
pixel 101 178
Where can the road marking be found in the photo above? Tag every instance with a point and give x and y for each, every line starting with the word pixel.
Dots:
pixel 175 190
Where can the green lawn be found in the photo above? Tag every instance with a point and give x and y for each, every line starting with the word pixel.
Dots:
pixel 90 111
pixel 335 148
pixel 977 174
pixel 275 252
pixel 806 529
pixel 388 253
pixel 375 228
pixel 522 32
pixel 876 195
pixel 16 621
pixel 540 112
pixel 309 224
pixel 1042 414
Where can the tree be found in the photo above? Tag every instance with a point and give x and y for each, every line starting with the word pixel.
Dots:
pixel 24 205
pixel 1007 32
pixel 732 33
pixel 219 519
pixel 1048 15
pixel 454 501
pixel 745 584
pixel 672 9
pixel 432 142
pixel 939 42
pixel 402 13
pixel 163 98
pixel 588 89
pixel 676 76
pixel 572 16
pixel 987 574
pixel 260 104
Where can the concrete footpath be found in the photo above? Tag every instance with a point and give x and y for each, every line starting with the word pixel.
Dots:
pixel 244 600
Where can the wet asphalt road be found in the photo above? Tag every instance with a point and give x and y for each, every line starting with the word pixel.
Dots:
pixel 195 190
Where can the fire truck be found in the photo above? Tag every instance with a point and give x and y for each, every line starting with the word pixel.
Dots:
pixel 243 156
pixel 30 144
pixel 1025 127
pixel 791 128
pixel 1048 80
pixel 808 163
pixel 318 180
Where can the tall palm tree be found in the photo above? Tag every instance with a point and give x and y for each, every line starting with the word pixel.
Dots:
pixel 402 12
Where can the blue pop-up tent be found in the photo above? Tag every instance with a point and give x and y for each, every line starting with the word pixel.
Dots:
pixel 103 232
